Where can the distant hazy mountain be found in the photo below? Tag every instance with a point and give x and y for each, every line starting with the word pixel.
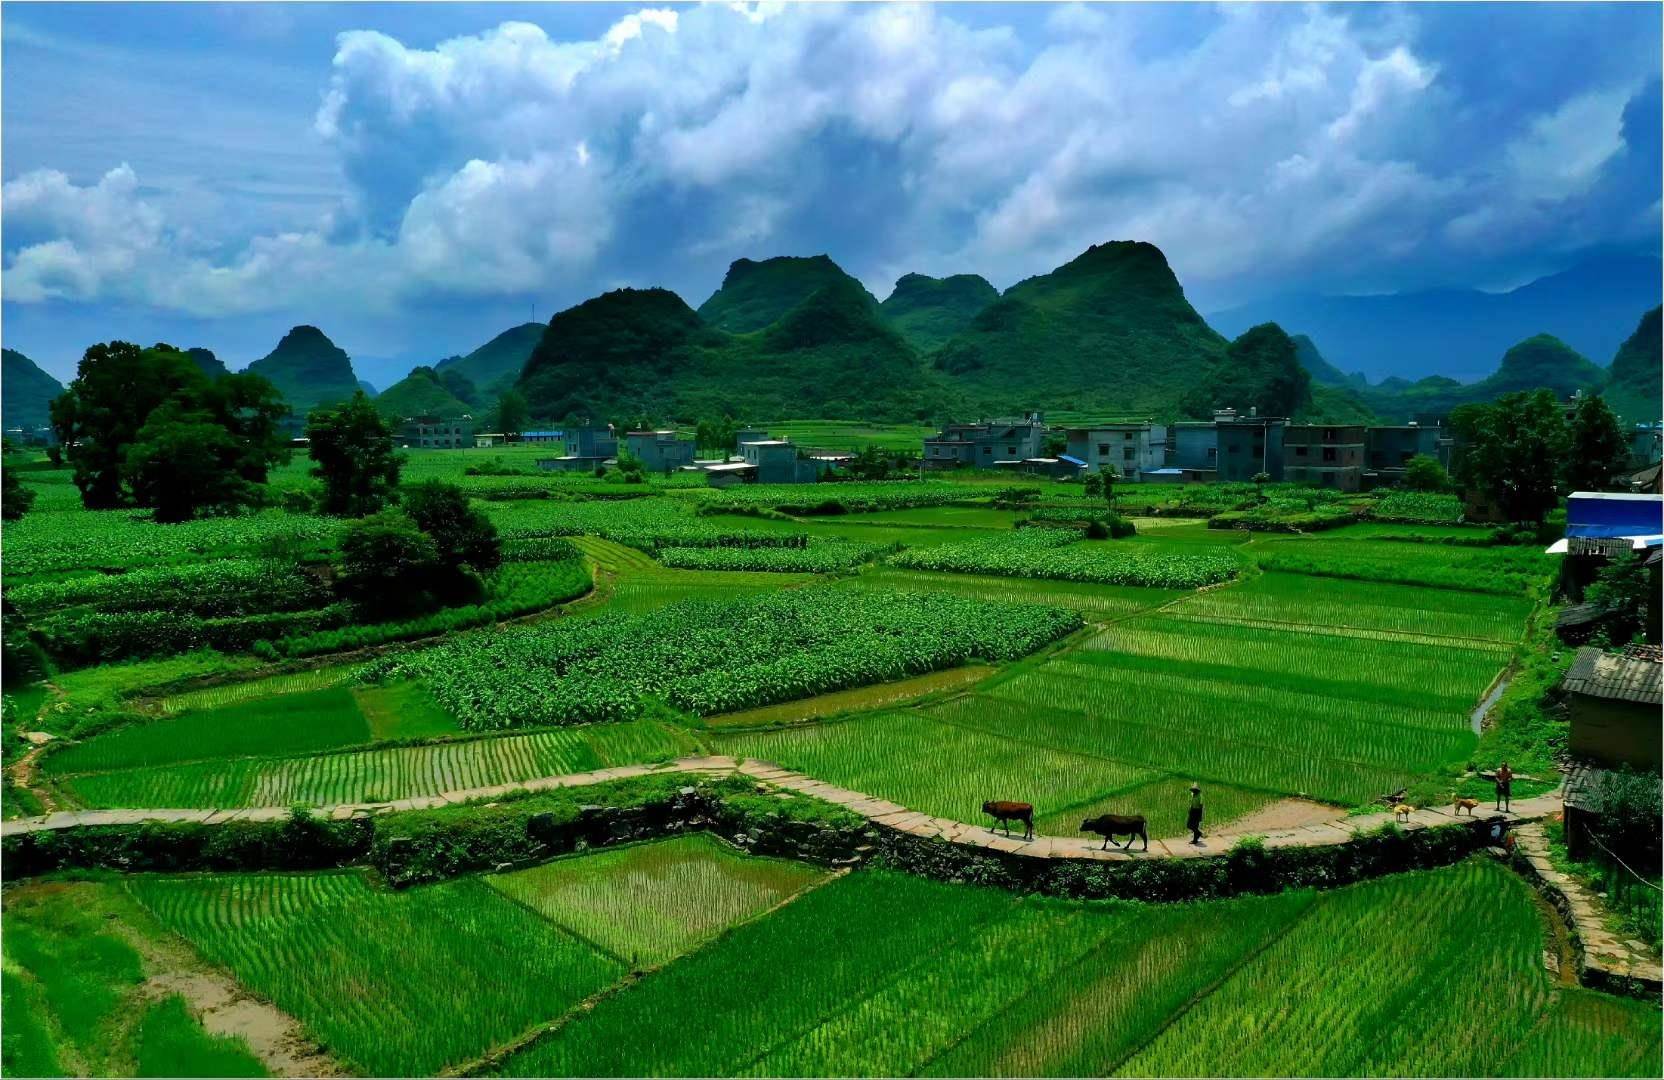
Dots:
pixel 927 311
pixel 26 392
pixel 755 294
pixel 1636 374
pixel 495 365
pixel 1457 332
pixel 308 369
pixel 368 387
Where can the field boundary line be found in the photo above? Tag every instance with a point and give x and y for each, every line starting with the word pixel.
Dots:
pixel 546 1028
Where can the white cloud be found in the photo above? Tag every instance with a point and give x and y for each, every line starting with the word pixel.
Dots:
pixel 508 162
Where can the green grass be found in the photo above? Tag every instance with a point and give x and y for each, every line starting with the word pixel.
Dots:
pixel 939 769
pixel 232 693
pixel 299 723
pixel 394 983
pixel 380 775
pixel 849 434
pixel 1164 802
pixel 403 711
pixel 172 1043
pixel 1096 601
pixel 880 974
pixel 650 902
pixel 1297 599
pixel 27 1047
pixel 1505 571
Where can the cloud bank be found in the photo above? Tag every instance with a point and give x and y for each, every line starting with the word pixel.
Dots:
pixel 1261 146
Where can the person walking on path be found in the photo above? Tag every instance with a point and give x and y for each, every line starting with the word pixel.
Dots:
pixel 1194 821
pixel 1504 787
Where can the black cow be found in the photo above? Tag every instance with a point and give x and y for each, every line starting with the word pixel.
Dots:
pixel 1110 826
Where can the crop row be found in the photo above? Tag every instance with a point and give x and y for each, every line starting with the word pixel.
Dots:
pixel 396 983
pixel 644 523
pixel 1061 555
pixel 842 498
pixel 712 657
pixel 215 588
pixel 1417 508
pixel 1096 600
pixel 818 556
pixel 1506 571
pixel 360 776
pixel 121 539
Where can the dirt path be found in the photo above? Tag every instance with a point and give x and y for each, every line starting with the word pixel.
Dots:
pixel 1284 814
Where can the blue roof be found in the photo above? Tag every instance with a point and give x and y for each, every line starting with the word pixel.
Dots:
pixel 1600 514
pixel 1071 460
pixel 543 434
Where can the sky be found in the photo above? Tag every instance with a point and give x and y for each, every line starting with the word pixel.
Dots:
pixel 415 178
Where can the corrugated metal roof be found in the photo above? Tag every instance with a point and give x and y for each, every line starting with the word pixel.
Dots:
pixel 1616 678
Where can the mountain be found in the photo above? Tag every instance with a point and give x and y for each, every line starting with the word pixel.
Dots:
pixel 419 394
pixel 26 392
pixel 636 353
pixel 755 294
pixel 1633 387
pixel 368 387
pixel 308 370
pixel 1539 362
pixel 1323 372
pixel 1454 332
pixel 211 365
pixel 1110 331
pixel 927 311
pixel 496 364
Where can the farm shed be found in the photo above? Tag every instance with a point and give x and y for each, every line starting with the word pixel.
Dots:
pixel 1614 705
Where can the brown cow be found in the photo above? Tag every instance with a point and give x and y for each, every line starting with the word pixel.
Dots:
pixel 1110 826
pixel 1004 813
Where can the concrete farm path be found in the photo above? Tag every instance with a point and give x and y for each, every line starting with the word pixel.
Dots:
pixel 880 812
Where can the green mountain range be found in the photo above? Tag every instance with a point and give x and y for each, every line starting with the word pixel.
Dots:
pixel 421 393
pixel 644 353
pixel 210 364
pixel 755 294
pixel 26 392
pixel 1634 385
pixel 1110 331
pixel 928 311
pixel 494 366
pixel 309 370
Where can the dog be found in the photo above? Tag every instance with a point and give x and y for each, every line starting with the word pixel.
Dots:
pixel 1465 804
pixel 1404 810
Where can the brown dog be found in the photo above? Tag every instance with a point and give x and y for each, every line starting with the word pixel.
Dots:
pixel 1465 804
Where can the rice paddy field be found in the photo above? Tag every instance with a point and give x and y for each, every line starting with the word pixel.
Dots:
pixel 921 643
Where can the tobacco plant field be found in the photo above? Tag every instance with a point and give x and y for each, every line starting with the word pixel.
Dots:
pixel 1060 554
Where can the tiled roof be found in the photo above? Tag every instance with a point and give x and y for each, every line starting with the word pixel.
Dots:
pixel 1615 678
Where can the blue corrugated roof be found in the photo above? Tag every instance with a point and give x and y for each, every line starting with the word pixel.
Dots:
pixel 1071 460
pixel 1600 514
pixel 543 434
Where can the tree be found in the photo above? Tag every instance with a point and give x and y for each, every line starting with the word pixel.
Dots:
pixel 1422 473
pixel 460 386
pixel 352 448
pixel 462 536
pixel 119 387
pixel 15 499
pixel 1110 474
pixel 1260 479
pixel 715 434
pixel 1259 370
pixel 1622 589
pixel 1599 455
pixel 388 565
pixel 512 413
pixel 183 462
pixel 1092 486
pixel 1510 452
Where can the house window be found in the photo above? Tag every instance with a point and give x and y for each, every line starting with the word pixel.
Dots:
pixel 1127 435
pixel 1329 434
pixel 1213 453
pixel 1328 453
pixel 987 449
pixel 1299 451
pixel 1103 449
pixel 1128 453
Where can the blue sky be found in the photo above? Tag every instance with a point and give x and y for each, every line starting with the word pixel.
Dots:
pixel 413 178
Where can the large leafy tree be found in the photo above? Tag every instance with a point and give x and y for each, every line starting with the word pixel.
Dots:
pixel 513 414
pixel 117 391
pixel 387 565
pixel 182 462
pixel 1260 370
pixel 1511 450
pixel 462 535
pixel 15 499
pixel 352 451
pixel 1599 456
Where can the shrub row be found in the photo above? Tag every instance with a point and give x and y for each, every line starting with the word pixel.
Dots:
pixel 92 637
pixel 1275 519
pixel 220 587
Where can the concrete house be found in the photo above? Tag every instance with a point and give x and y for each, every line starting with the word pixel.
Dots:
pixel 1324 455
pixel 1249 445
pixel 1388 448
pixel 1134 448
pixel 775 461
pixel 986 443
pixel 587 448
pixel 437 433
pixel 659 451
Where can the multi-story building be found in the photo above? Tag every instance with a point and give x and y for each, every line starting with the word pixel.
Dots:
pixel 437 433
pixel 1249 445
pixel 659 451
pixel 983 444
pixel 1324 455
pixel 1388 448
pixel 587 448
pixel 775 461
pixel 1134 449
